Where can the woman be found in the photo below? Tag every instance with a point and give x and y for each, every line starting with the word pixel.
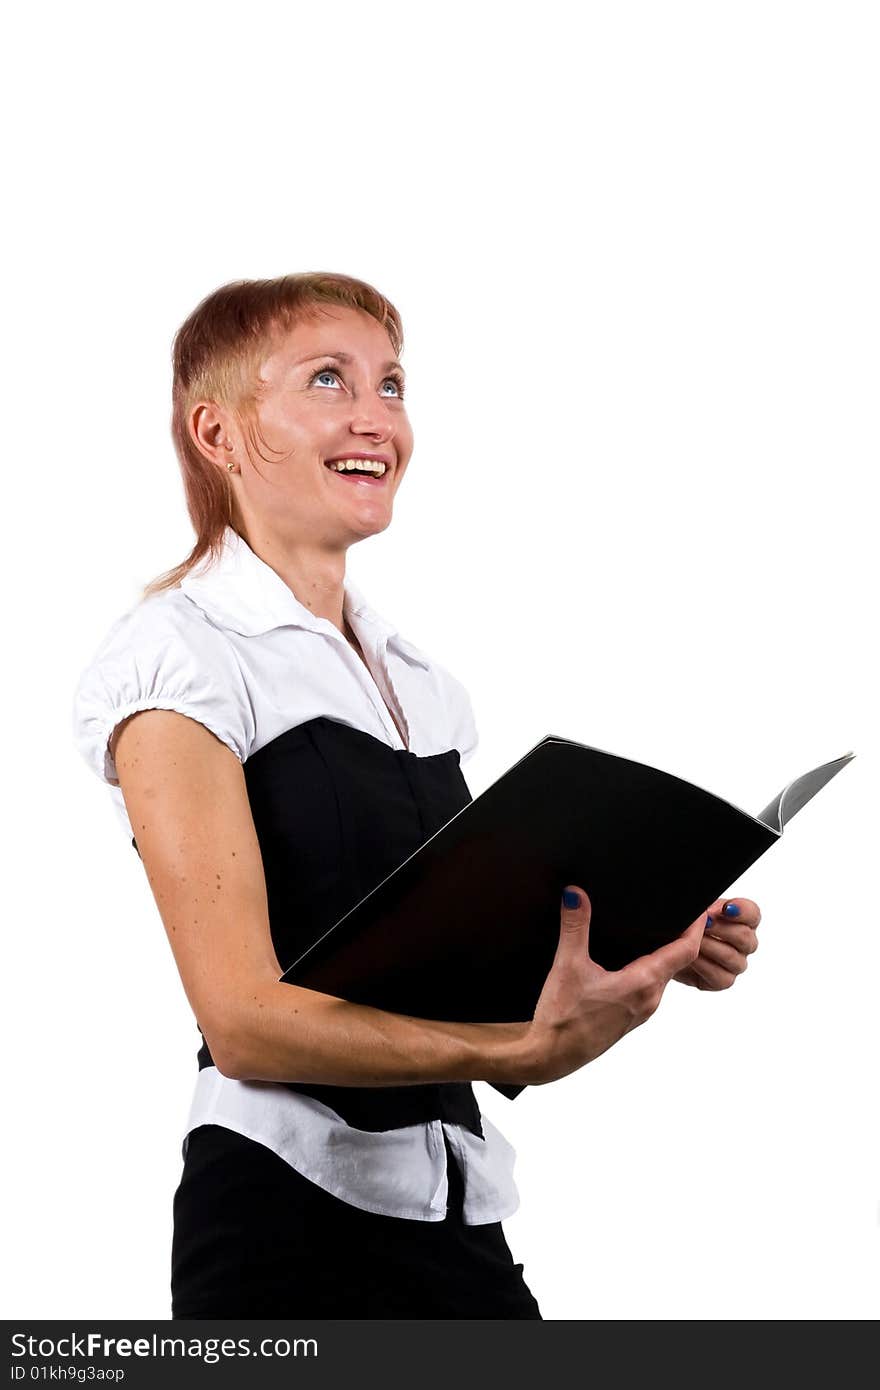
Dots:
pixel 276 748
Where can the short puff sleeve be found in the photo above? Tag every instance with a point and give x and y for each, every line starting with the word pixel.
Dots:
pixel 460 714
pixel 452 699
pixel 159 655
pixel 466 737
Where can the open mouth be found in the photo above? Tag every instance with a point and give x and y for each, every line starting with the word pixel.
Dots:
pixel 360 473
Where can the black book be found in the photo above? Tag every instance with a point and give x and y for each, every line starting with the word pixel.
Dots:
pixel 466 928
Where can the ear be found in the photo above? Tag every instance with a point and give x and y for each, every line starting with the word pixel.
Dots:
pixel 210 430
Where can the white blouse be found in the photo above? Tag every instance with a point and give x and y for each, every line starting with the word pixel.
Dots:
pixel 233 648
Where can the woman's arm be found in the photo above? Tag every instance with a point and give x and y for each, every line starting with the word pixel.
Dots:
pixel 187 801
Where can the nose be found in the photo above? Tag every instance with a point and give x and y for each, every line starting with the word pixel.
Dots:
pixel 371 416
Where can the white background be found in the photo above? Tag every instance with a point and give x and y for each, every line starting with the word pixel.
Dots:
pixel 635 251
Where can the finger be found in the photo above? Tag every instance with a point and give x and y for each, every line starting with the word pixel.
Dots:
pixel 743 939
pixel 715 976
pixel 719 953
pixel 574 927
pixel 747 912
pixel 667 960
pixel 689 976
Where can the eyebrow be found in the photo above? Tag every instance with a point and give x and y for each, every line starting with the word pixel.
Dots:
pixel 347 357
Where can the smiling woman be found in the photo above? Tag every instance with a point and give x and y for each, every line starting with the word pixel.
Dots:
pixel 276 380
pixel 275 748
pixel 314 406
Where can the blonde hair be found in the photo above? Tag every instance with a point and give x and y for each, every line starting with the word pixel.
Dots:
pixel 216 355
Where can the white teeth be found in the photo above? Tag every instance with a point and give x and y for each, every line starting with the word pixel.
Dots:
pixel 346 465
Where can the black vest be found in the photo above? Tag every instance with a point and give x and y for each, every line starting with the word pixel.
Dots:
pixel 336 810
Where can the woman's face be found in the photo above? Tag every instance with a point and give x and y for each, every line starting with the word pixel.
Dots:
pixel 330 389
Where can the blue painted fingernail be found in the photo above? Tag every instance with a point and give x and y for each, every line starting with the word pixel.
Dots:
pixel 570 899
pixel 708 921
pixel 731 910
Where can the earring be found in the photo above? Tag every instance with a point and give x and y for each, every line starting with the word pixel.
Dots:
pixel 230 465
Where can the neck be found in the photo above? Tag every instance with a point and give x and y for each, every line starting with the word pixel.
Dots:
pixel 316 578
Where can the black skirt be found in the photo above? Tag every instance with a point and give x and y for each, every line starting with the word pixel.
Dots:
pixel 253 1238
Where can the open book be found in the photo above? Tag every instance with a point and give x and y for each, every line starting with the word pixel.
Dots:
pixel 466 928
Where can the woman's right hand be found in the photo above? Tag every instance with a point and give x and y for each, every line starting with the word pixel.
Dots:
pixel 583 1010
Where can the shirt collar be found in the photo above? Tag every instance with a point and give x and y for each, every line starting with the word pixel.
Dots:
pixel 240 591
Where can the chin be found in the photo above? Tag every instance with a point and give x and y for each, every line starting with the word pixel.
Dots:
pixel 375 528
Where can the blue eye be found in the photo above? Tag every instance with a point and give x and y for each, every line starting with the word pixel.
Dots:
pixel 394 378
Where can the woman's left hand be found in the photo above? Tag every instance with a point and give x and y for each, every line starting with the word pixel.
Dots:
pixel 727 943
